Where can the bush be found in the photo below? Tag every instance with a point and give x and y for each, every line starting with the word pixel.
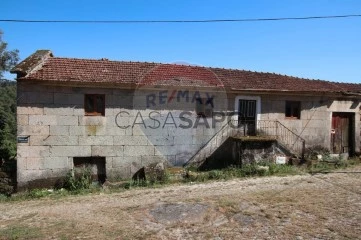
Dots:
pixel 312 152
pixel 78 179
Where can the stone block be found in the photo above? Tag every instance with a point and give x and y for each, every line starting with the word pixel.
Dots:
pixel 138 150
pixel 119 173
pixel 125 161
pixel 67 120
pixel 341 106
pixel 64 89
pixel 92 121
pixel 70 151
pixel 53 140
pixel 108 111
pixel 30 110
pixel 78 110
pixel 135 167
pixel 35 97
pixel 182 139
pixel 180 149
pixel 180 132
pixel 139 130
pixel 31 87
pixel 318 124
pixel 59 130
pixel 56 162
pixel 77 130
pixel 59 110
pixel 96 140
pixel 181 159
pixel 117 162
pixel 201 140
pixel 123 121
pixel 132 160
pixel 68 99
pixel 111 131
pixel 146 160
pixel 131 140
pixel 161 140
pixel 121 101
pixel 108 163
pixel 166 150
pixel 34 163
pixel 21 163
pixel 40 120
pixel 171 160
pixel 22 120
pixel 116 151
pixel 32 151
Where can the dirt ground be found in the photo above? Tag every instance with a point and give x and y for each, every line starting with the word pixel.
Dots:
pixel 323 206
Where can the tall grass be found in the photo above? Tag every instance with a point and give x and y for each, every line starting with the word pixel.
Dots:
pixel 249 170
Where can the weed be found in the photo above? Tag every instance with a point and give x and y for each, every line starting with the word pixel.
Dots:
pixel 20 232
pixel 312 152
pixel 39 193
pixel 78 179
pixel 329 165
pixel 249 170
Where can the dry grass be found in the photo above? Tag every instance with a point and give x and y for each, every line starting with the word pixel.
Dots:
pixel 321 206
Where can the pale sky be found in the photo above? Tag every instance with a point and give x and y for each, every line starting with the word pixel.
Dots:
pixel 327 49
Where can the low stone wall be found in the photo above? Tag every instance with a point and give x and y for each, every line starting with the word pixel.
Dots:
pixel 240 151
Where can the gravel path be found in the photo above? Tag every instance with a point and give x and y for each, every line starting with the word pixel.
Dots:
pixel 324 206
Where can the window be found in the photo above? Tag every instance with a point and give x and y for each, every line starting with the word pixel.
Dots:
pixel 293 109
pixel 203 108
pixel 94 104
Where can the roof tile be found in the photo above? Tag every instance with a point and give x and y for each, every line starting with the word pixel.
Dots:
pixel 145 73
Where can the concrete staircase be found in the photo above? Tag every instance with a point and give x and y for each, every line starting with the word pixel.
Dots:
pixel 290 141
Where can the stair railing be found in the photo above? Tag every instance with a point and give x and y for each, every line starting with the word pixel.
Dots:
pixel 285 136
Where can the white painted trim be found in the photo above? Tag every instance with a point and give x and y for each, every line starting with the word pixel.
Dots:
pixel 258 106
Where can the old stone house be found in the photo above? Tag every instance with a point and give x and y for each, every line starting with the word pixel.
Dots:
pixel 121 116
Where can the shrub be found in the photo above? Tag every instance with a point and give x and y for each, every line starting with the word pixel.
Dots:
pixel 78 179
pixel 312 152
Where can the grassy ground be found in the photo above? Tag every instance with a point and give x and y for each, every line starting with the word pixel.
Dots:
pixel 307 206
pixel 83 186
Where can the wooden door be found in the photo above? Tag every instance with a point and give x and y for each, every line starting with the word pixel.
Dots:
pixel 341 134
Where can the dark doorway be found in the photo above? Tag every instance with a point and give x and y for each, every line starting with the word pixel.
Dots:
pixel 342 134
pixel 247 116
pixel 96 165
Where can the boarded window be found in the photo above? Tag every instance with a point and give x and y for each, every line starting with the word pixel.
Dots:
pixel 94 104
pixel 293 109
pixel 203 108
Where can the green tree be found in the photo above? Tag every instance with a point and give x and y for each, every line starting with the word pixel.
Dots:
pixel 8 59
pixel 7 119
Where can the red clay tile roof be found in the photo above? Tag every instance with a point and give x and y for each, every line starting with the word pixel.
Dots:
pixel 145 73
